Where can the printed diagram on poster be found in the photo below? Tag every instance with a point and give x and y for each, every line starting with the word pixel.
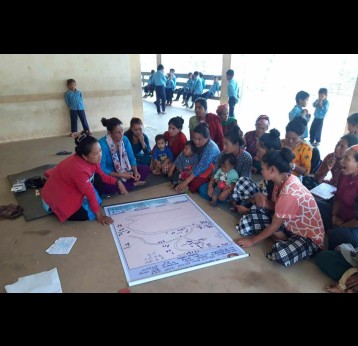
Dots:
pixel 166 236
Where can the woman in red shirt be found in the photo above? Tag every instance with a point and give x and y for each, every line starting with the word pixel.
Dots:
pixel 212 121
pixel 69 192
pixel 175 137
pixel 339 220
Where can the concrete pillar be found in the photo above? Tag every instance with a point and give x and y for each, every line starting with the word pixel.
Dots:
pixel 159 59
pixel 136 84
pixel 225 66
pixel 354 104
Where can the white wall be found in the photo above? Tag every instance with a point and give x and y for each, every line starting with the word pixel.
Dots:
pixel 32 88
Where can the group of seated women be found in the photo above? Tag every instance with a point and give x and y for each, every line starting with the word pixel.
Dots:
pixel 279 207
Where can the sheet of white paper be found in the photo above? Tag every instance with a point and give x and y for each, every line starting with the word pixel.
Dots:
pixel 62 246
pixel 45 282
pixel 324 190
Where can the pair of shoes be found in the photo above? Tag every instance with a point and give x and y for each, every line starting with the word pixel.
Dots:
pixel 10 211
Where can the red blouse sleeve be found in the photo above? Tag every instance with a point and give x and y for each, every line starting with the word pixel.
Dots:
pixel 218 131
pixel 105 177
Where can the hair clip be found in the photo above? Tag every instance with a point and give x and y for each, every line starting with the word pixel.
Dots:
pixel 81 137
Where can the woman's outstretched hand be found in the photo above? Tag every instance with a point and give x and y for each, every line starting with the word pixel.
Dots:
pixel 245 242
pixel 104 220
pixel 181 186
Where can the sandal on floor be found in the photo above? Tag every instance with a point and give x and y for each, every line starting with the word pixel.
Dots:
pixel 64 152
pixel 10 211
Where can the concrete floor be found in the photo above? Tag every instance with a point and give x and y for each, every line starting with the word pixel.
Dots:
pixel 93 265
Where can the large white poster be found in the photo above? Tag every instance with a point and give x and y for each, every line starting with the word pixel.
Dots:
pixel 166 236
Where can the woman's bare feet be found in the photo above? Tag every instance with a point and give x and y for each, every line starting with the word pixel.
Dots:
pixel 139 183
pixel 334 288
pixel 242 210
pixel 279 235
pixel 213 204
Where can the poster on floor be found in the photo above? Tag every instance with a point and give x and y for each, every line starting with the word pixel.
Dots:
pixel 166 236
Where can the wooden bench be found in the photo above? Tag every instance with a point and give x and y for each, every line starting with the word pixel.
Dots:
pixel 182 79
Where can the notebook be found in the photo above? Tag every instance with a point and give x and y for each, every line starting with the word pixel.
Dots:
pixel 324 190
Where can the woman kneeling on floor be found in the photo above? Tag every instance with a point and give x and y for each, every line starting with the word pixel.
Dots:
pixel 69 191
pixel 296 226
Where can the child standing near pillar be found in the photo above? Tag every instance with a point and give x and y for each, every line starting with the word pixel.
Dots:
pixel 74 101
pixel 298 110
pixel 321 108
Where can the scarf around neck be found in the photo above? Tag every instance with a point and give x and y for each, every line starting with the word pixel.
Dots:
pixel 120 157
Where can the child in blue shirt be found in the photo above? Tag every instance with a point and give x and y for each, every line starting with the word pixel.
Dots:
pixel 301 101
pixel 352 124
pixel 74 101
pixel 232 91
pixel 184 164
pixel 162 157
pixel 169 89
pixel 214 88
pixel 321 108
pixel 149 88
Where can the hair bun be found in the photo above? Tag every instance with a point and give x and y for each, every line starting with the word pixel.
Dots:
pixel 287 154
pixel 104 122
pixel 275 133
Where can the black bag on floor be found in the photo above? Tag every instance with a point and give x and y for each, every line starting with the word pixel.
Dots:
pixel 35 182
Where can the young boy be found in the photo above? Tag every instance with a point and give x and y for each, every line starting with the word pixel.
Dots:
pixel 169 89
pixel 184 164
pixel 74 101
pixel 162 157
pixel 321 107
pixel 297 110
pixel 213 89
pixel 225 178
pixel 232 91
pixel 352 122
pixel 149 88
